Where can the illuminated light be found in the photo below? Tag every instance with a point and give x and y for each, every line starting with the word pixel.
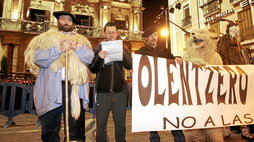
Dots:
pixel 105 7
pixel 162 7
pixel 164 32
pixel 15 14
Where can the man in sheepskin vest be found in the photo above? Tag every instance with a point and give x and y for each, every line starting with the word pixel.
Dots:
pixel 45 57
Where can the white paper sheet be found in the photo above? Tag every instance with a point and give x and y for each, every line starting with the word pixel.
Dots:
pixel 114 49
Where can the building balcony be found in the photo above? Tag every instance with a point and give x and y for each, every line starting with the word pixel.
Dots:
pixel 186 21
pixel 211 7
pixel 207 2
pixel 211 11
pixel 235 1
pixel 126 1
pixel 33 27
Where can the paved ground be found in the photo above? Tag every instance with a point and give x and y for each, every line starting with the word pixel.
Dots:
pixel 26 131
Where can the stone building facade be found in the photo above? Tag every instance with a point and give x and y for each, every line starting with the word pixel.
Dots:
pixel 21 20
pixel 204 14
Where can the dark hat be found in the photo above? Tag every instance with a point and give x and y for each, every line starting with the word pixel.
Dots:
pixel 149 30
pixel 60 13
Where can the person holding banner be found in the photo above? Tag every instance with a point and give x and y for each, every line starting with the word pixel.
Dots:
pixel 229 48
pixel 110 87
pixel 151 48
pixel 46 58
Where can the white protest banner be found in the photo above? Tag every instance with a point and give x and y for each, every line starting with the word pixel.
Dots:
pixel 170 96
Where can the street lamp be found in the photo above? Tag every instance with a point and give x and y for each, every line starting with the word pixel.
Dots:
pixel 164 32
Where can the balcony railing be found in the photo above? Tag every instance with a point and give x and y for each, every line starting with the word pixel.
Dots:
pixel 234 1
pixel 211 10
pixel 186 21
pixel 19 77
pixel 10 24
pixel 89 31
pixel 126 1
pixel 207 2
pixel 39 27
pixel 247 33
pixel 211 7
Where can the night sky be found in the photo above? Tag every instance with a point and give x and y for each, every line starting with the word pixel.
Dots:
pixel 152 9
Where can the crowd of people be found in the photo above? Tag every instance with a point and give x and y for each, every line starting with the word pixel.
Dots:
pixel 61 54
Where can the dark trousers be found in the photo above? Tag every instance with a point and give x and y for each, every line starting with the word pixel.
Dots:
pixel 115 102
pixel 177 134
pixel 154 136
pixel 76 127
pixel 51 123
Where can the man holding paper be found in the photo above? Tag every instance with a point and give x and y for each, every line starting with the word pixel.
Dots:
pixel 108 63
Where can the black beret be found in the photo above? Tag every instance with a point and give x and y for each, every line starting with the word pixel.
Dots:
pixel 60 13
pixel 149 30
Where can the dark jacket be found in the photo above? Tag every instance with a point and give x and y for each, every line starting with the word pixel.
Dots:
pixel 229 51
pixel 157 52
pixel 110 77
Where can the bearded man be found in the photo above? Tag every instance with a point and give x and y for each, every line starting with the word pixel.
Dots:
pixel 45 57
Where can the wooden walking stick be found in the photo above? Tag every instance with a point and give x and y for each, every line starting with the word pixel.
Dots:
pixel 66 99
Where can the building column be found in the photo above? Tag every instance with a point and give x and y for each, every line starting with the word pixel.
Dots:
pixel 141 20
pixel 95 15
pixel 7 8
pixel 15 58
pixel 62 5
pixel 252 15
pixel 104 15
pixel 20 9
pixel 137 20
pixel 52 17
pixel 5 48
pixel 131 23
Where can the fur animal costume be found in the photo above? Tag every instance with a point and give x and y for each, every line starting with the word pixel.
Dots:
pixel 201 49
pixel 77 71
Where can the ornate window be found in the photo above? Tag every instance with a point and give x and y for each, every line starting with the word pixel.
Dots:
pixel 121 24
pixel 215 27
pixel 210 6
pixel 186 16
pixel 38 21
pixel 86 24
pixel 85 20
pixel 37 15
pixel 245 25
